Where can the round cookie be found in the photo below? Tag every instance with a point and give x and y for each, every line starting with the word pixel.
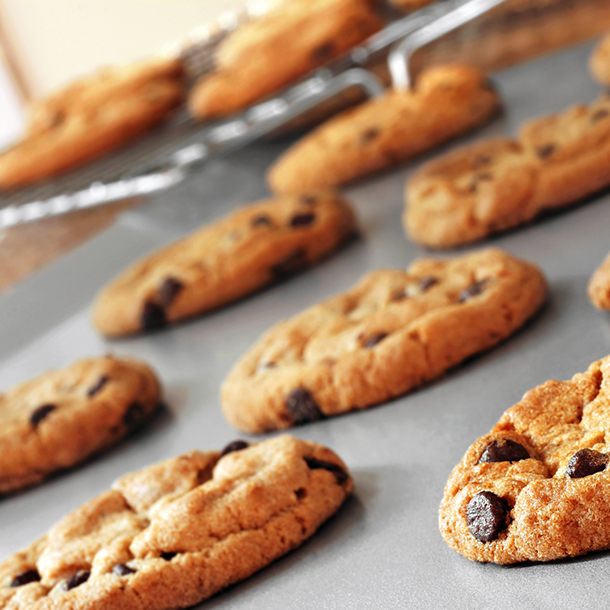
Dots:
pixel 599 286
pixel 599 62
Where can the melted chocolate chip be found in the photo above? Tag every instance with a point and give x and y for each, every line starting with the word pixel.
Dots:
pixel 169 290
pixel 373 340
pixel 315 464
pixel 309 199
pixel 481 161
pixel 600 114
pixel 302 220
pixel 96 387
pixel 134 416
pixel 153 316
pixel 544 152
pixel 503 450
pixel 472 291
pixel 586 462
pixel 25 578
pixel 486 516
pixel 168 556
pixel 41 413
pixel 369 135
pixel 77 579
pixel 234 446
pixel 427 282
pixel 290 265
pixel 261 221
pixel 302 407
pixel 120 569
pixel 324 51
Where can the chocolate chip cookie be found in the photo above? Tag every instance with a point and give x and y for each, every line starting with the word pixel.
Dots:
pixel 383 132
pixel 92 117
pixel 173 534
pixel 599 62
pixel 62 417
pixel 267 54
pixel 392 332
pixel 599 286
pixel 224 261
pixel 536 488
pixel 499 184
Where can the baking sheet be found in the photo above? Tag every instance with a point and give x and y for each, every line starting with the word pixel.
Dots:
pixel 383 549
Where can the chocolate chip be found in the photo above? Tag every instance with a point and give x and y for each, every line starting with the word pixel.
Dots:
pixel 261 221
pixel 315 464
pixel 290 265
pixel 369 135
pixel 503 450
pixel 120 569
pixel 168 556
pixel 427 282
pixel 302 220
pixel 373 340
pixel 544 152
pixel 586 462
pixel 134 416
pixel 472 291
pixel 234 446
pixel 486 516
pixel 302 407
pixel 41 413
pixel 474 185
pixel 169 290
pixel 25 578
pixel 309 199
pixel 324 51
pixel 153 316
pixel 600 114
pixel 481 161
pixel 96 387
pixel 76 580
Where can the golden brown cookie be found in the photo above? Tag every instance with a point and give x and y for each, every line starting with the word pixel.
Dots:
pixel 90 118
pixel 447 101
pixel 500 184
pixel 224 261
pixel 61 418
pixel 392 332
pixel 536 488
pixel 262 57
pixel 599 286
pixel 173 534
pixel 599 62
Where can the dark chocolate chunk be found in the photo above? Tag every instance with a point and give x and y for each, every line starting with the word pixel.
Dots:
pixel 302 220
pixel 369 135
pixel 324 51
pixel 168 555
pixel 302 407
pixel 120 569
pixel 96 387
pixel 373 340
pixel 261 221
pixel 600 114
pixel 544 152
pixel 169 290
pixel 41 413
pixel 504 450
pixel 134 416
pixel 234 446
pixel 309 199
pixel 472 291
pixel 77 579
pixel 486 516
pixel 427 282
pixel 586 462
pixel 315 463
pixel 153 316
pixel 290 265
pixel 25 578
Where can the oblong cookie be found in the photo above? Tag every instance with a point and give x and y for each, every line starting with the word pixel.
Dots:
pixel 173 534
pixel 499 184
pixel 447 101
pixel 62 417
pixel 599 62
pixel 536 488
pixel 390 333
pixel 261 57
pixel 599 286
pixel 223 261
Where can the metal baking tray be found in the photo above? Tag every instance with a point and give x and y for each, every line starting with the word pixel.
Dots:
pixel 383 549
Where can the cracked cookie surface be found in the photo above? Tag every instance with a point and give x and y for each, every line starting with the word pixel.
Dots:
pixel 259 244
pixel 267 54
pixel 175 533
pixel 536 488
pixel 499 184
pixel 599 286
pixel 392 332
pixel 62 417
pixel 446 101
